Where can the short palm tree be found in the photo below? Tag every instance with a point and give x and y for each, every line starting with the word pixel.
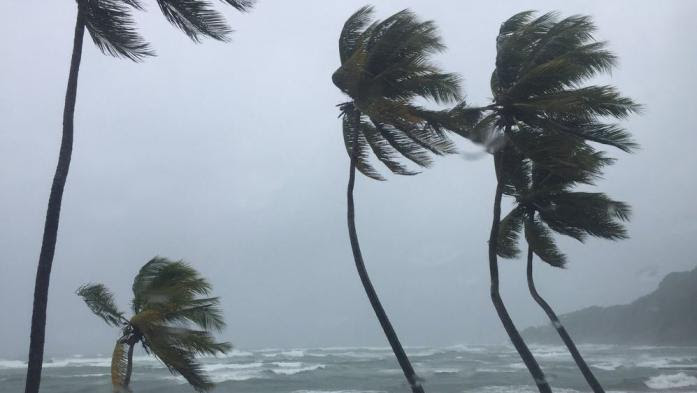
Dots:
pixel 172 319
pixel 546 204
pixel 384 67
pixel 111 27
pixel 541 111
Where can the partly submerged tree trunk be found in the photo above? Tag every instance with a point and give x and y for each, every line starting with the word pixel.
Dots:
pixel 391 335
pixel 580 362
pixel 48 244
pixel 506 320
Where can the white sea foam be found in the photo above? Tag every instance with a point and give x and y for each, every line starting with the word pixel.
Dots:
pixel 235 353
pixel 670 381
pixel 445 370
pixel 288 364
pixel 231 366
pixel 78 362
pixel 296 370
pixel 518 389
pixel 338 391
pixel 608 365
pixel 8 364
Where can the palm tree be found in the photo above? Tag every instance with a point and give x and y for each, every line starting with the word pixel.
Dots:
pixel 112 29
pixel 172 319
pixel 384 67
pixel 545 204
pixel 542 112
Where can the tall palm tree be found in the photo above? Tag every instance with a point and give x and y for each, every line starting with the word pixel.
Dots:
pixel 384 66
pixel 541 111
pixel 545 203
pixel 111 26
pixel 173 318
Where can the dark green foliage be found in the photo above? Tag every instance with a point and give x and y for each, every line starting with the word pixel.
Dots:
pixel 173 318
pixel 541 65
pixel 385 65
pixel 112 28
pixel 549 205
pixel 101 302
pixel 195 18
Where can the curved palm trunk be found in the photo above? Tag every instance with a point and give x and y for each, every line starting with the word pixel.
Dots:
pixel 391 335
pixel 506 320
pixel 48 244
pixel 580 362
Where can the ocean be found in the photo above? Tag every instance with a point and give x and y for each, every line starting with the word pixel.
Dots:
pixel 462 369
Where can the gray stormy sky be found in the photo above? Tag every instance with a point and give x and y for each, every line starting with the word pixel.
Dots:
pixel 230 157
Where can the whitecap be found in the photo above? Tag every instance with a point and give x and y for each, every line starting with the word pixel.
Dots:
pixel 7 364
pixel 670 381
pixel 231 366
pixel 296 370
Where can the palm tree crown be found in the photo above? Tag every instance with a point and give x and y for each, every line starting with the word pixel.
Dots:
pixel 538 93
pixel 547 205
pixel 384 66
pixel 173 318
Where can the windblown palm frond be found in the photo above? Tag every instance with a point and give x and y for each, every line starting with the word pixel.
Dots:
pixel 542 63
pixel 112 28
pixel 546 203
pixel 101 302
pixel 385 65
pixel 198 18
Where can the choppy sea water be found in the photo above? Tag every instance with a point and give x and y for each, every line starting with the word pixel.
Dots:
pixel 462 369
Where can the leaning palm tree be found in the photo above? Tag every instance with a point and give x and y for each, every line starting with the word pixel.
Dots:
pixel 173 318
pixel 384 66
pixel 542 111
pixel 545 203
pixel 111 27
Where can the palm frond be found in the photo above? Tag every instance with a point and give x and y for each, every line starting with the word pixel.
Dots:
pixel 112 28
pixel 165 282
pixel 241 5
pixel 593 214
pixel 362 156
pixel 101 302
pixel 353 29
pixel 177 349
pixel 509 233
pixel 383 150
pixel 542 243
pixel 197 18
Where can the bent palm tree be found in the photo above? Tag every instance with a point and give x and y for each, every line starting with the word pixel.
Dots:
pixel 542 113
pixel 172 319
pixel 111 27
pixel 384 66
pixel 544 205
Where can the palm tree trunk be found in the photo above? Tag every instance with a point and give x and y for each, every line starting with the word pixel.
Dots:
pixel 129 366
pixel 506 320
pixel 48 244
pixel 580 362
pixel 391 335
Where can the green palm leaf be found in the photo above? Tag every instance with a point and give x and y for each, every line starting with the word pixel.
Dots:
pixel 112 28
pixel 101 302
pixel 542 243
